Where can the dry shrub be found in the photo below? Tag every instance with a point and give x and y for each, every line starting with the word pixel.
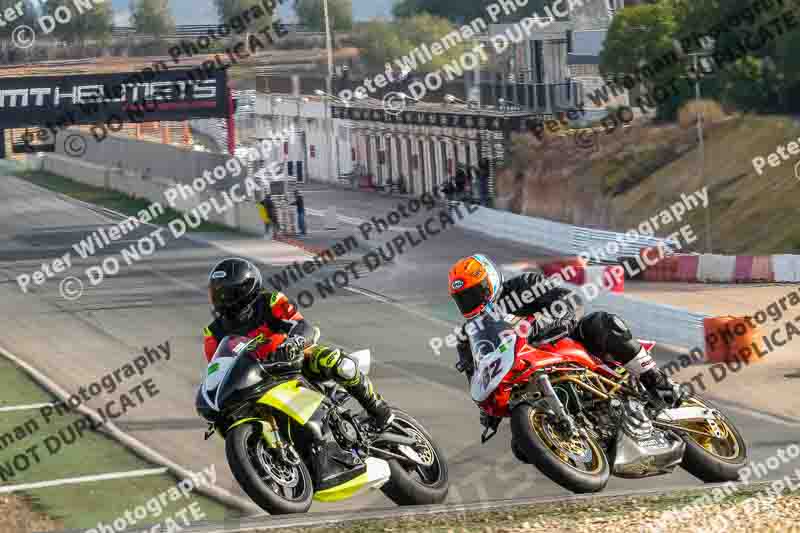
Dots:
pixel 711 110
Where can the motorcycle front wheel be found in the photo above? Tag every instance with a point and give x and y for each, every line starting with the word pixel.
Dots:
pixel 276 485
pixel 577 464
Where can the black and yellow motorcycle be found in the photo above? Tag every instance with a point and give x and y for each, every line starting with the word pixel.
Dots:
pixel 270 417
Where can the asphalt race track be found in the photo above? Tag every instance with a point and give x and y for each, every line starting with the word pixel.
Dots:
pixel 393 310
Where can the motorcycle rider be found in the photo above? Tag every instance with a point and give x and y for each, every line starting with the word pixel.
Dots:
pixel 241 306
pixel 476 283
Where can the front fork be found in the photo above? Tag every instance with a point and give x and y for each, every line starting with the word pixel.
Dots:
pixel 272 437
pixel 565 422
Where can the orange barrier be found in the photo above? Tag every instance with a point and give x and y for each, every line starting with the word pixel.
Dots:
pixel 572 269
pixel 729 338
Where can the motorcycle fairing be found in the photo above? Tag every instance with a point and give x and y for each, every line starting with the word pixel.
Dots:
pixel 216 372
pixel 295 400
pixel 377 474
pixel 492 368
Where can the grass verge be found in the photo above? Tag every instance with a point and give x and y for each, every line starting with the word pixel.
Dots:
pixel 111 199
pixel 82 505
pixel 614 513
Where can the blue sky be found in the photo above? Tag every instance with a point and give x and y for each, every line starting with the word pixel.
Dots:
pixel 203 12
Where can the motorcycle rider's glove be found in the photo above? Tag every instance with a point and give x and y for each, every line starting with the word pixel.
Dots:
pixel 290 351
pixel 465 362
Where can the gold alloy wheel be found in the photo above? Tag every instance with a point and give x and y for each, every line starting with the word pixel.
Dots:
pixel 726 447
pixel 571 452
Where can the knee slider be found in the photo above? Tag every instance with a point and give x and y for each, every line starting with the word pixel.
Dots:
pixel 621 343
pixel 347 368
pixel 617 327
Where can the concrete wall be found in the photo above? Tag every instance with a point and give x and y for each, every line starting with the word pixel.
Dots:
pixel 243 216
pixel 148 157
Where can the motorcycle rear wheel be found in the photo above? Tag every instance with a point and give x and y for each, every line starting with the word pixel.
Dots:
pixel 535 436
pixel 277 487
pixel 710 459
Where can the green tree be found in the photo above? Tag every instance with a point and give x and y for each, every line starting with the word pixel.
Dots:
pixel 312 14
pixel 640 34
pixel 152 17
pixel 763 79
pixel 82 24
pixel 463 11
pixel 384 42
pixel 229 9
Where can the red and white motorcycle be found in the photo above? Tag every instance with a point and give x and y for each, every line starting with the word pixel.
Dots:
pixel 579 419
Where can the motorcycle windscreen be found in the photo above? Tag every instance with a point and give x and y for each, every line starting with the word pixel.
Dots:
pixel 292 398
pixel 492 341
pixel 216 384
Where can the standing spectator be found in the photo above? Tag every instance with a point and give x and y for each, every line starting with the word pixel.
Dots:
pixel 448 189
pixel 268 216
pixel 461 183
pixel 483 181
pixel 301 213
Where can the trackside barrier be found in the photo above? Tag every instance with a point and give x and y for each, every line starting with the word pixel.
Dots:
pixel 612 276
pixel 753 268
pixel 664 324
pixel 717 268
pixel 585 239
pixel 786 267
pixel 572 269
pixel 687 267
pixel 567 239
pixel 242 216
pixel 724 338
pixel 556 236
pixel 729 338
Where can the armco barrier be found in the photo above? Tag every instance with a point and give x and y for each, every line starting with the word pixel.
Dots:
pixel 584 239
pixel 648 320
pixel 567 239
pixel 554 236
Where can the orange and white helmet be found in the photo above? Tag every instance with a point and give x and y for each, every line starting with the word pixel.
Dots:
pixel 474 282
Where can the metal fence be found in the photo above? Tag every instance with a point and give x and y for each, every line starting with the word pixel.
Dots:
pixel 188 31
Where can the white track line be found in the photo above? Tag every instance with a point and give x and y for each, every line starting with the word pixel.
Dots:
pixel 26 407
pixel 83 479
pixel 130 442
pixel 754 413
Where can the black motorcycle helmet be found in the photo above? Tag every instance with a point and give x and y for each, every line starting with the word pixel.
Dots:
pixel 233 287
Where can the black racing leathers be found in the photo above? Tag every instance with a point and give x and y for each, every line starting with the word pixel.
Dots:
pixel 532 294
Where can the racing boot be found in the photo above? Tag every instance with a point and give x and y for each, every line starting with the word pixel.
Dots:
pixel 664 392
pixel 379 411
